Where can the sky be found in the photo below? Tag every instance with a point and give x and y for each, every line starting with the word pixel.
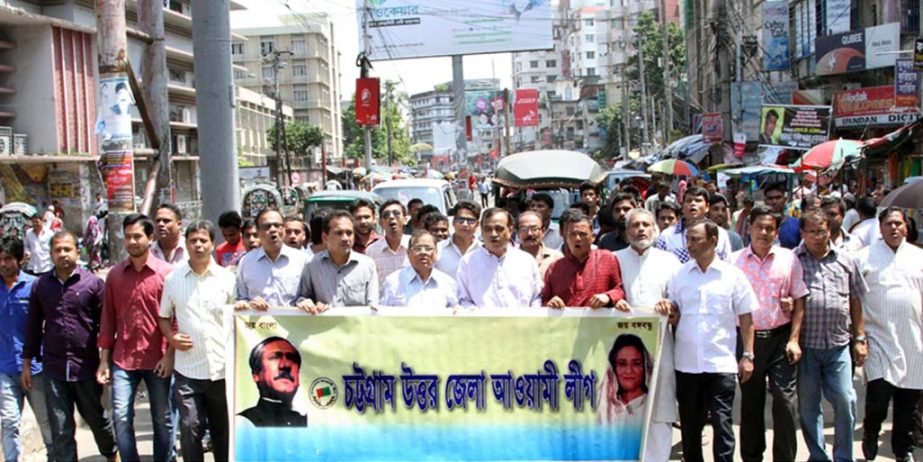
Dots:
pixel 414 75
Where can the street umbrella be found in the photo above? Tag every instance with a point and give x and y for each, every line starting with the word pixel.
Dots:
pixel 829 155
pixel 909 196
pixel 674 167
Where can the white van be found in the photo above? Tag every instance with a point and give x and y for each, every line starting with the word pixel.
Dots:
pixel 434 192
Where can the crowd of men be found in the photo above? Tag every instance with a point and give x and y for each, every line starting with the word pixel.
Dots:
pixel 769 299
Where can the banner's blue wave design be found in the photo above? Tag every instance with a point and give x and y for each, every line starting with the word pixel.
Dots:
pixel 464 443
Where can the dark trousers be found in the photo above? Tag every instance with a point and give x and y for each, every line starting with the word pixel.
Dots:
pixel 696 394
pixel 197 401
pixel 770 363
pixel 61 398
pixel 878 395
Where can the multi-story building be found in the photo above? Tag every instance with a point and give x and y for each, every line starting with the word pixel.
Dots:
pixel 254 114
pixel 432 116
pixel 49 79
pixel 309 78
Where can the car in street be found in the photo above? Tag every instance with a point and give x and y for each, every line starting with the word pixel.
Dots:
pixel 436 192
pixel 339 199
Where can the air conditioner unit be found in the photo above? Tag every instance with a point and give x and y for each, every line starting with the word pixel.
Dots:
pixel 181 144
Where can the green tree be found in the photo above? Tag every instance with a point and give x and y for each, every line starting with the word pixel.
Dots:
pixel 301 137
pixel 650 33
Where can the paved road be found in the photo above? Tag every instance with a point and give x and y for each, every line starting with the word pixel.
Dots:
pixel 87 448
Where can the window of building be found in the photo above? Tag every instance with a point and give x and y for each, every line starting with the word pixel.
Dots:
pixel 267 72
pixel 300 93
pixel 569 110
pixel 550 78
pixel 267 46
pixel 588 22
pixel 518 67
pixel 550 63
pixel 177 76
pixel 536 79
pixel 298 45
pixel 299 69
pixel 589 38
pixel 591 71
pixel 174 5
pixel 533 64
pixel 239 74
pixel 237 48
pixel 591 55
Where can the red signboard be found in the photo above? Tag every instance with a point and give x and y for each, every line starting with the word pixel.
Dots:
pixel 870 106
pixel 367 101
pixel 525 107
pixel 712 128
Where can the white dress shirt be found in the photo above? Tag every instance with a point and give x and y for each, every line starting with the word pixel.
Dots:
pixel 553 238
pixel 709 305
pixel 645 278
pixel 868 231
pixel 405 288
pixel 673 239
pixel 450 255
pixel 180 255
pixel 39 247
pixel 277 281
pixel 487 281
pixel 198 302
pixel 850 218
pixel 893 308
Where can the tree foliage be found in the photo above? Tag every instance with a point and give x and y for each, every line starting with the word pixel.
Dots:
pixel 354 138
pixel 302 137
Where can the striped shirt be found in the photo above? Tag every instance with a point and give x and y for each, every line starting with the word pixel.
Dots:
pixel 893 308
pixel 353 284
pixel 673 239
pixel 199 302
pixel 832 281
pixel 386 260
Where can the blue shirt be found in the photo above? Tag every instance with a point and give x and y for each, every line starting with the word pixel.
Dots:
pixel 790 233
pixel 14 310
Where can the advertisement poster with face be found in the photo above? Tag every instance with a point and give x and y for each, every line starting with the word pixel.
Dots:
pixel 795 127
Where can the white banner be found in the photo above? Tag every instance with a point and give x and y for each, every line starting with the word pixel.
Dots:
pixel 901 118
pixel 403 29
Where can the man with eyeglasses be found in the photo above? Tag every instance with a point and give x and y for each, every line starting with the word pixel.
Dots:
pixel 531 235
pixel 463 242
pixel 269 275
pixel 498 275
pixel 420 285
pixel 585 277
pixel 390 253
pixel 832 309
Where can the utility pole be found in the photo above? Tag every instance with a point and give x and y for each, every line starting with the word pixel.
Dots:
pixel 389 88
pixel 211 45
pixel 458 95
pixel 644 124
pixel 116 153
pixel 274 57
pixel 364 73
pixel 626 96
pixel 667 75
pixel 506 120
pixel 724 64
pixel 154 93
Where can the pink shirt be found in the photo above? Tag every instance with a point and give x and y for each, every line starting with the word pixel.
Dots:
pixel 779 275
pixel 128 325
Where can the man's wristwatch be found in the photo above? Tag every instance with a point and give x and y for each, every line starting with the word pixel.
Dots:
pixel 749 355
pixel 860 339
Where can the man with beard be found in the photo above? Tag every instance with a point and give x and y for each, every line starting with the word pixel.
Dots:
pixel 695 208
pixel 719 213
pixel 645 272
pixel 420 284
pixel 130 339
pixel 169 246
pixel 338 276
pixel 619 206
pixel 835 208
pixel 363 213
pixel 275 365
pixel 584 276
pixel 268 275
pixel 390 253
pixel 893 308
pixel 531 235
pixel 498 275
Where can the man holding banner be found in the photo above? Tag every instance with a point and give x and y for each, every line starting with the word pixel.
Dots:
pixel 712 297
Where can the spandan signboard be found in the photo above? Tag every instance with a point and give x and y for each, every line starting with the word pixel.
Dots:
pixel 870 106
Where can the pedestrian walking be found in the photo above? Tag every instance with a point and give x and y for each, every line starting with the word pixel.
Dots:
pixel 269 275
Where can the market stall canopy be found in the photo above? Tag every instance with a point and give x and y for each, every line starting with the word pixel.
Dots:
pixel 18 207
pixel 829 155
pixel 547 169
pixel 757 170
